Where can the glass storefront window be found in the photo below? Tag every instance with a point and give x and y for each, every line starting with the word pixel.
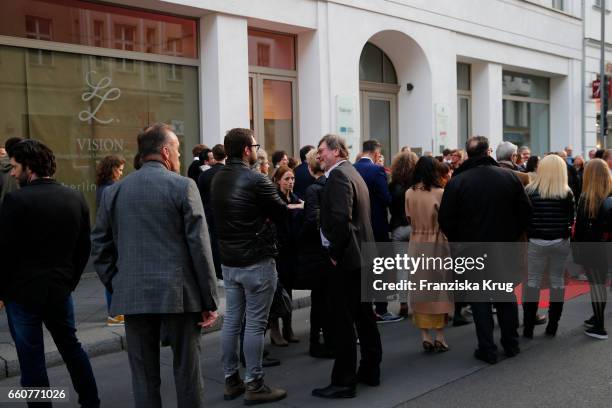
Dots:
pixel 87 107
pixel 463 77
pixel 524 85
pixel 278 115
pixel 527 111
pixel 527 124
pixel 100 25
pixel 271 50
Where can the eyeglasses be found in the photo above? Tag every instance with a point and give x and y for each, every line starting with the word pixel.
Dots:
pixel 257 146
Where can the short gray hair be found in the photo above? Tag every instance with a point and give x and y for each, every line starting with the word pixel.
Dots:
pixel 335 142
pixel 505 150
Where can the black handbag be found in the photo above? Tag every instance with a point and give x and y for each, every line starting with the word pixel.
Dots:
pixel 281 304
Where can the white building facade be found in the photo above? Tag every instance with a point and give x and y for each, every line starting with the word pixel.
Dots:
pixel 86 76
pixel 592 70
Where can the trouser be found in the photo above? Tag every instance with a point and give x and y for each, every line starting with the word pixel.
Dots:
pixel 25 324
pixel 249 292
pixel 320 315
pixel 350 313
pixel 597 280
pixel 553 256
pixel 143 341
pixel 507 318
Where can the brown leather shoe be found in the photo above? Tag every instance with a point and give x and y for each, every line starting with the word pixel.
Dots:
pixel 259 393
pixel 234 387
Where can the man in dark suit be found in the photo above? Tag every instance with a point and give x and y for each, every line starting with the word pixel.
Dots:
pixel 44 247
pixel 204 183
pixel 484 202
pixel 161 271
pixel 303 179
pixel 380 199
pixel 345 226
pixel 194 171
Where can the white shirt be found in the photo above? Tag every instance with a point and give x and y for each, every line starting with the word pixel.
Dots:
pixel 333 167
pixel 325 241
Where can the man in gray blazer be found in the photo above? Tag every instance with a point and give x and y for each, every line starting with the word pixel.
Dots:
pixel 151 249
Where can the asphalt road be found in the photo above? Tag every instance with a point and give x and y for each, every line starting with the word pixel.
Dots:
pixel 570 370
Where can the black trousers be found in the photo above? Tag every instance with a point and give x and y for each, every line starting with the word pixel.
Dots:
pixel 350 313
pixel 507 318
pixel 143 336
pixel 320 315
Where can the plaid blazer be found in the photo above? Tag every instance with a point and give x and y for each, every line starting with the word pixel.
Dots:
pixel 150 244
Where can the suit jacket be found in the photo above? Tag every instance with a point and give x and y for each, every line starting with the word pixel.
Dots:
pixel 345 215
pixel 151 247
pixel 380 197
pixel 204 184
pixel 303 179
pixel 44 242
pixel 194 170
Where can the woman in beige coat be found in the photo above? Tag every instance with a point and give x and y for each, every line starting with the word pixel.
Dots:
pixel 422 203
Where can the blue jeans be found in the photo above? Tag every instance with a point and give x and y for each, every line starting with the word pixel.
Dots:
pixel 249 291
pixel 25 323
pixel 109 298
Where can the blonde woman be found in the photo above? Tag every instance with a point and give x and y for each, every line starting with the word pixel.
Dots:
pixel 549 231
pixel 594 224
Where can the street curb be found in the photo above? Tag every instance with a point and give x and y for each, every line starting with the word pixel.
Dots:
pixel 113 342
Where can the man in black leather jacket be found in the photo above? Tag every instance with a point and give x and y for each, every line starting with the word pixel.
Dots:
pixel 244 203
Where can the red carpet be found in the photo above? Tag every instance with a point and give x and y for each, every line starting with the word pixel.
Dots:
pixel 573 288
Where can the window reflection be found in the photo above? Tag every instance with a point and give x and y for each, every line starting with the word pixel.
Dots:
pixel 88 107
pixel 100 25
pixel 271 50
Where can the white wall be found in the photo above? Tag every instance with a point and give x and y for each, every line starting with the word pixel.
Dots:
pixel 565 113
pixel 224 76
pixel 423 38
pixel 487 113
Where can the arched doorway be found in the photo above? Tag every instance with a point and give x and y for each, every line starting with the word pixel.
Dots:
pixel 378 87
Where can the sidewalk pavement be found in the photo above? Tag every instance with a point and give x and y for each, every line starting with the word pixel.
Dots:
pixel 92 332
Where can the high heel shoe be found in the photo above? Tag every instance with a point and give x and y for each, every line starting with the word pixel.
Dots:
pixel 441 347
pixel 428 346
pixel 275 336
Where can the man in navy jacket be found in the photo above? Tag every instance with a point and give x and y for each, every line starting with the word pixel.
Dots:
pixel 302 177
pixel 380 199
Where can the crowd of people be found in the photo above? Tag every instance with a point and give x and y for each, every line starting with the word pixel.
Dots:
pixel 163 244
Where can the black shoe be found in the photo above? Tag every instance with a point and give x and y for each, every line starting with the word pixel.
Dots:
pixel 512 352
pixel 528 332
pixel 265 361
pixel 596 333
pixel 318 350
pixel 460 321
pixel 540 319
pixel 551 328
pixel 270 362
pixel 369 376
pixel 372 382
pixel 489 358
pixel 590 322
pixel 334 392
